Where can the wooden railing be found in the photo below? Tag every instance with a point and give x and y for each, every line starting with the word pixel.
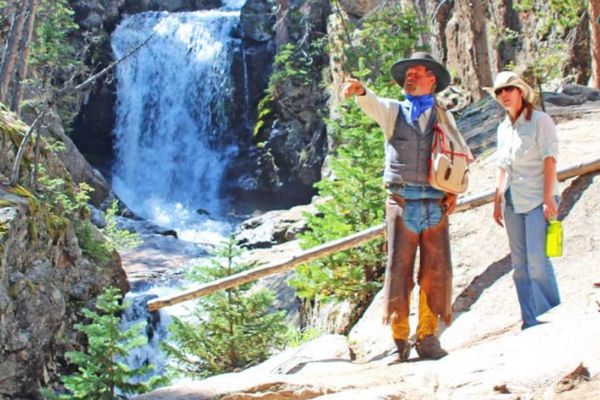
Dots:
pixel 335 246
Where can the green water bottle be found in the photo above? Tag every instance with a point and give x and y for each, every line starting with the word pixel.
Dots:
pixel 554 239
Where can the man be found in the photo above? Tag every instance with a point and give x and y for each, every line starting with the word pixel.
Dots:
pixel 416 213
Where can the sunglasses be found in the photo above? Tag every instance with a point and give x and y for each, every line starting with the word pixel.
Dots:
pixel 509 89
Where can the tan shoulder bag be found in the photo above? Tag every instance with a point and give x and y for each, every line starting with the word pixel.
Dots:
pixel 450 157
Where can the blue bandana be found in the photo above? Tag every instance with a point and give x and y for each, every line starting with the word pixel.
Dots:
pixel 419 104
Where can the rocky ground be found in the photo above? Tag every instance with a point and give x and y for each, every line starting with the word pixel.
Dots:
pixel 490 357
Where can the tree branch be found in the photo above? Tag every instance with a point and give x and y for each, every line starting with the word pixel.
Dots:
pixel 88 82
pixel 14 176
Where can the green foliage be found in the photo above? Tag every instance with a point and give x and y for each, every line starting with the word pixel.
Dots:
pixel 3 5
pixel 264 111
pixel 100 376
pixel 52 52
pixel 384 37
pixel 293 65
pixel 560 15
pixel 91 241
pixel 62 196
pixel 51 48
pixel 297 337
pixel 555 18
pixel 295 62
pixel 3 229
pixel 54 145
pixel 547 64
pixel 355 200
pixel 118 239
pixel 228 330
pixel 100 244
pixel 355 197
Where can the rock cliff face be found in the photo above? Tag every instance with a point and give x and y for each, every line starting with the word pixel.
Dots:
pixel 45 276
pixel 478 39
pixel 466 31
pixel 293 136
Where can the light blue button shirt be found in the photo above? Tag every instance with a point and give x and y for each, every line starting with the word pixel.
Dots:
pixel 522 148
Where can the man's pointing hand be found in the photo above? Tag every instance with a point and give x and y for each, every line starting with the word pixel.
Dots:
pixel 353 87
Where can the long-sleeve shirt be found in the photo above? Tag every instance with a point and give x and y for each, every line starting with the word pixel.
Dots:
pixel 522 148
pixel 384 111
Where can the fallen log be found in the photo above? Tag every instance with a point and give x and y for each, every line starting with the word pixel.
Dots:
pixel 335 246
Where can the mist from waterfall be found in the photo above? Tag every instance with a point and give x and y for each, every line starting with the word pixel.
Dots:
pixel 174 102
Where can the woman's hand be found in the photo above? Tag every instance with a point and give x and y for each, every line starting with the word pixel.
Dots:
pixel 550 206
pixel 498 212
pixel 500 183
pixel 550 209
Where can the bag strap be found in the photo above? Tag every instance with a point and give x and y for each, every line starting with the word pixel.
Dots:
pixel 450 129
pixel 440 137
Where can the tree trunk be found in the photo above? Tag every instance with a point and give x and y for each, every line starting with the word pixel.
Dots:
pixel 506 19
pixel 578 61
pixel 594 11
pixel 281 26
pixel 466 39
pixel 24 44
pixel 438 13
pixel 10 51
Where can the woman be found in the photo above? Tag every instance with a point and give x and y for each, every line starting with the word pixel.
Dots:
pixel 526 193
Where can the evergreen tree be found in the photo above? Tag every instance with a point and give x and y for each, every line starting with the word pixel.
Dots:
pixel 354 197
pixel 228 330
pixel 100 376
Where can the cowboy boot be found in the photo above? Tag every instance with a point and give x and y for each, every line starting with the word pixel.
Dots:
pixel 403 347
pixel 429 348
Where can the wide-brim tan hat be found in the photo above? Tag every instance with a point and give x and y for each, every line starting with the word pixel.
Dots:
pixel 422 58
pixel 510 78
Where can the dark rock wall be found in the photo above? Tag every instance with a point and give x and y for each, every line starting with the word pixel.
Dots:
pixel 505 18
pixel 281 172
pixel 578 62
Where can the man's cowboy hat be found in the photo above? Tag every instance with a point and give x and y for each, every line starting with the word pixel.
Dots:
pixel 510 78
pixel 425 59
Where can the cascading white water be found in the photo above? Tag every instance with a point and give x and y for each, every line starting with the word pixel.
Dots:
pixel 172 134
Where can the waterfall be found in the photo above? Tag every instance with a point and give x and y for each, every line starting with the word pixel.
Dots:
pixel 175 99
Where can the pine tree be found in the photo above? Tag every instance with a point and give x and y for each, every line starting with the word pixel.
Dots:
pixel 100 376
pixel 228 330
